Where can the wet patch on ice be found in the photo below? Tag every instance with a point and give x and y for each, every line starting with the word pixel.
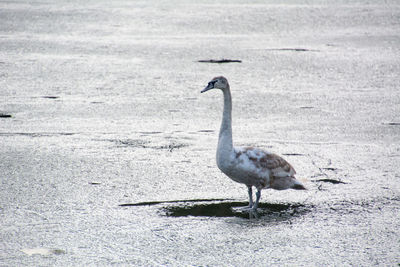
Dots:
pixel 306 107
pixel 220 61
pixel 37 134
pixel 274 211
pixel 330 169
pixel 206 131
pixel 332 181
pixel 293 154
pixel 392 123
pixel 50 97
pixel 225 208
pixel 292 49
pixel 131 142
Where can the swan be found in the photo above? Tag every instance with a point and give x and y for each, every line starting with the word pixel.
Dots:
pixel 248 165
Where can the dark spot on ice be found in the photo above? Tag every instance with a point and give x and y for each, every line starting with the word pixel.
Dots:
pixel 131 142
pixel 293 154
pixel 94 183
pixel 330 169
pixel 39 134
pixel 293 49
pixel 220 61
pixel 332 181
pixel 50 97
pixel 170 147
pixel 58 251
pixel 2 115
pixel 393 123
pixel 306 107
pixel 205 131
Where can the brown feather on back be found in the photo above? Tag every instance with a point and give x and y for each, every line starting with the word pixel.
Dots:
pixel 276 164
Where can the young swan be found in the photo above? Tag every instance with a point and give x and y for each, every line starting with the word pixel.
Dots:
pixel 248 165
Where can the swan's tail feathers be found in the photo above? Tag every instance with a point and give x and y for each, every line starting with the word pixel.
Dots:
pixel 298 186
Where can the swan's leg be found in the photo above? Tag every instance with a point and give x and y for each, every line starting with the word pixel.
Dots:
pixel 258 196
pixel 250 190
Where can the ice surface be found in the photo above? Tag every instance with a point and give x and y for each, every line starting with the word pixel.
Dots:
pixel 105 109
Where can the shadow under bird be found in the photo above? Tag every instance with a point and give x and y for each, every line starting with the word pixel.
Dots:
pixel 248 165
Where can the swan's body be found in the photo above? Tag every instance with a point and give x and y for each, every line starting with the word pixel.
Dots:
pixel 247 165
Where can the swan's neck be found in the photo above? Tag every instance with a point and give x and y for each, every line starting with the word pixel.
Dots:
pixel 225 145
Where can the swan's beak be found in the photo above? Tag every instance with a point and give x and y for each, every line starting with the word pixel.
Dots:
pixel 208 87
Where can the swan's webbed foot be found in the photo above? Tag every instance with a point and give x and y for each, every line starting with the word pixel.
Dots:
pixel 246 209
pixel 252 207
pixel 253 214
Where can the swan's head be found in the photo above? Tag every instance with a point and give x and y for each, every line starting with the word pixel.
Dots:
pixel 218 83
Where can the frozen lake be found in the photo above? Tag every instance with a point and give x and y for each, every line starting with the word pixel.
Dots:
pixel 107 147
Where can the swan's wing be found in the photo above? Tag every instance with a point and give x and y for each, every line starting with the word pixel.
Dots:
pixel 278 166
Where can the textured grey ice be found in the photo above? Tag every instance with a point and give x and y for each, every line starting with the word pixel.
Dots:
pixel 104 110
